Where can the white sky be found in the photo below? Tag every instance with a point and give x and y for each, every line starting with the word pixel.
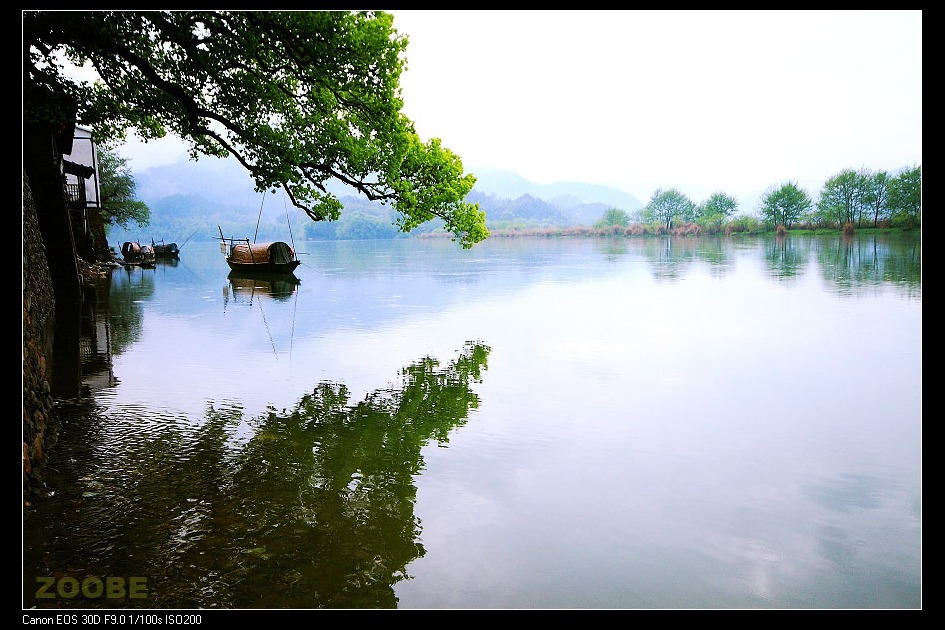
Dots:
pixel 703 101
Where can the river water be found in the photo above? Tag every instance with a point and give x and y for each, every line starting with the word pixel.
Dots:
pixel 575 423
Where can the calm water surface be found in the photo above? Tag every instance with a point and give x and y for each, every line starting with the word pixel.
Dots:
pixel 532 423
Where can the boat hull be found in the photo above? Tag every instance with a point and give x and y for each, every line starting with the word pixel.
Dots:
pixel 263 268
pixel 162 250
pixel 134 253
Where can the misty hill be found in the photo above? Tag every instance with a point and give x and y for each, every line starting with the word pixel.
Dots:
pixel 195 197
pixel 509 185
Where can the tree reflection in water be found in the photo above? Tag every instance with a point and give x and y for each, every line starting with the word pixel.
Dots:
pixel 314 510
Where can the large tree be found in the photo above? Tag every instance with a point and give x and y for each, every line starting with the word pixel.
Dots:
pixel 300 98
pixel 117 185
pixel 876 199
pixel 905 196
pixel 665 206
pixel 613 218
pixel 785 204
pixel 716 210
pixel 842 197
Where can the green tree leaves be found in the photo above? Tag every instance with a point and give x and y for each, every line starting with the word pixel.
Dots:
pixel 842 197
pixel 614 217
pixel 298 97
pixel 117 187
pixel 668 205
pixel 785 204
pixel 716 210
pixel 856 197
pixel 905 197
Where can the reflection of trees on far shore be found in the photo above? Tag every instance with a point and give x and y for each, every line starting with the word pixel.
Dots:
pixel 786 257
pixel 308 507
pixel 854 263
pixel 846 263
pixel 849 264
pixel 671 257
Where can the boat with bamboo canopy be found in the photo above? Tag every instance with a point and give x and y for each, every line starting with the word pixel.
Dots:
pixel 249 257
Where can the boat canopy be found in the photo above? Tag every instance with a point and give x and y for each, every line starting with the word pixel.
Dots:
pixel 131 248
pixel 277 253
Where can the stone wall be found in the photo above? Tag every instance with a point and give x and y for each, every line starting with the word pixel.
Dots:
pixel 37 330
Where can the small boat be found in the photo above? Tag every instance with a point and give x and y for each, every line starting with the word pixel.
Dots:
pixel 162 250
pixel 135 253
pixel 245 257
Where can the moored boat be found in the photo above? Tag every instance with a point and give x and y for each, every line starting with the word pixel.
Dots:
pixel 162 250
pixel 135 253
pixel 242 256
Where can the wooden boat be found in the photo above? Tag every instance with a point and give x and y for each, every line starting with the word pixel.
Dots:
pixel 135 253
pixel 162 250
pixel 242 256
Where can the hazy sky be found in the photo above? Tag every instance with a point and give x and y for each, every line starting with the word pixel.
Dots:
pixel 702 101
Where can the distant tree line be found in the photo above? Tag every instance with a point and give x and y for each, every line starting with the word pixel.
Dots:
pixel 849 199
pixel 863 198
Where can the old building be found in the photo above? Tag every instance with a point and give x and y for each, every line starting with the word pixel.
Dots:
pixel 61 224
pixel 83 195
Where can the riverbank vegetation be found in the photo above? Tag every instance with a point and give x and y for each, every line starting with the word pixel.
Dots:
pixel 848 202
pixel 851 200
pixel 742 226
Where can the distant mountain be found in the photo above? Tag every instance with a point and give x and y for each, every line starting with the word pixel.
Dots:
pixel 562 194
pixel 524 208
pixel 221 183
pixel 198 196
pixel 227 182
